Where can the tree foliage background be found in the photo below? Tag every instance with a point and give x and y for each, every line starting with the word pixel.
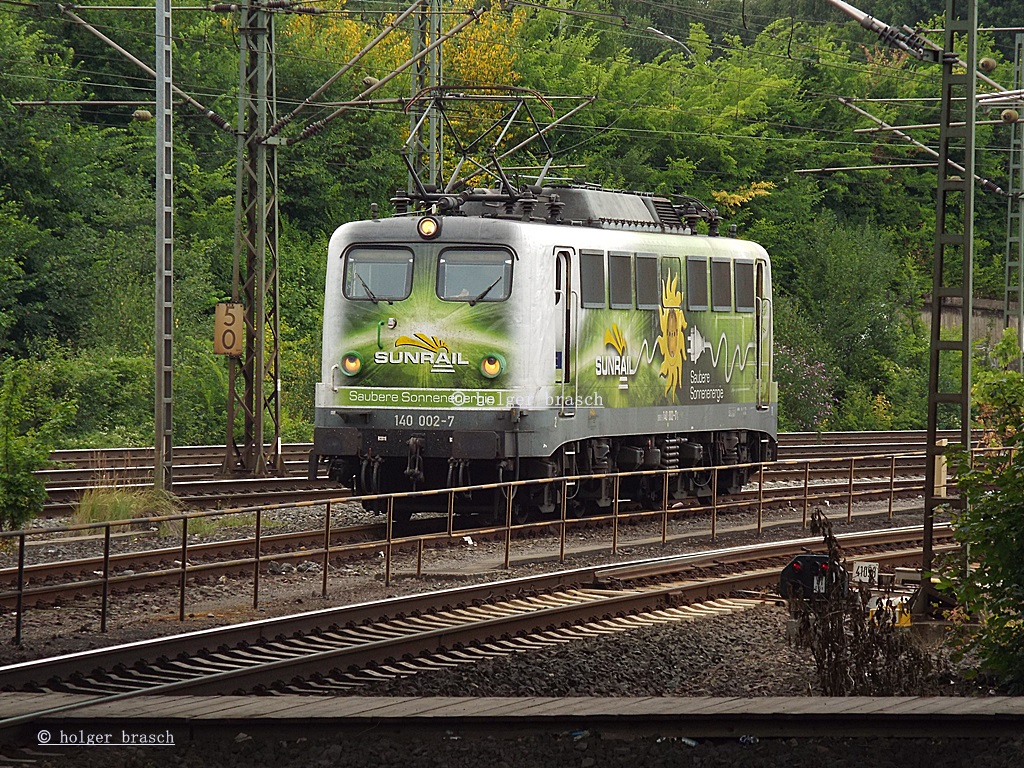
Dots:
pixel 731 119
pixel 987 577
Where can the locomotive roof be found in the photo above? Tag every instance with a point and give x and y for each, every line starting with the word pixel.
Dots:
pixel 569 205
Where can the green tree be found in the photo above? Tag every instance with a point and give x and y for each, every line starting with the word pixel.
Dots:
pixel 28 423
pixel 992 486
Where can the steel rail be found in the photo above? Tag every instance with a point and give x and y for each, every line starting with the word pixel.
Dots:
pixel 38 579
pixel 300 645
pixel 81 467
pixel 22 591
pixel 205 493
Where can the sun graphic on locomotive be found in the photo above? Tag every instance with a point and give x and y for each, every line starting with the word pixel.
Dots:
pixel 673 322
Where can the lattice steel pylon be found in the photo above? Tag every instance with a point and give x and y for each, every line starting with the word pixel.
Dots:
pixel 163 336
pixel 1013 302
pixel 951 276
pixel 425 126
pixel 256 278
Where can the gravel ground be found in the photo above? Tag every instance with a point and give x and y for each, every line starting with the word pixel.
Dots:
pixel 75 626
pixel 738 655
pixel 743 654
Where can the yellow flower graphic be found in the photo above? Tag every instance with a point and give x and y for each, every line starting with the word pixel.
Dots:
pixel 673 322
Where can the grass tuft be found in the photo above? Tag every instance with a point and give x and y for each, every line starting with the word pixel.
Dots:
pixel 99 505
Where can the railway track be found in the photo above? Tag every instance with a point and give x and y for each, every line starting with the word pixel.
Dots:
pixel 102 568
pixel 333 650
pixel 199 481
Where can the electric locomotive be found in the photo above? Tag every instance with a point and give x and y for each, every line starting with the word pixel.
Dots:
pixel 560 331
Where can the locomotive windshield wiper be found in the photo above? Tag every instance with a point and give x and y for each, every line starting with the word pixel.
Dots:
pixel 366 288
pixel 485 291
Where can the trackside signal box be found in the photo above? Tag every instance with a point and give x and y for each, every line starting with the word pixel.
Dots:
pixel 809 576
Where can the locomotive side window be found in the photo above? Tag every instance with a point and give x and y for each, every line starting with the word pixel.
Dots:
pixel 620 280
pixel 592 292
pixel 721 285
pixel 744 286
pixel 648 292
pixel 378 274
pixel 474 274
pixel 696 282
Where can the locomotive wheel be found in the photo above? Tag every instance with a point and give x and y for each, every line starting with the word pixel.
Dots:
pixel 575 510
pixel 521 513
pixel 401 516
pixel 730 481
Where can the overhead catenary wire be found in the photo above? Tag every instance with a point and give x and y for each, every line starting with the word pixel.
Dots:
pixel 989 185
pixel 865 167
pixel 473 15
pixel 210 114
pixel 352 103
pixel 757 52
pixel 276 128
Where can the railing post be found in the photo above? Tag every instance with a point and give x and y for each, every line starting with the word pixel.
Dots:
pixel 327 548
pixel 184 565
pixel 419 558
pixel 714 503
pixel 387 544
pixel 892 483
pixel 256 560
pixel 615 515
pixel 807 488
pixel 849 501
pixel 664 506
pixel 760 500
pixel 508 526
pixel 106 577
pixel 21 588
pixel 565 512
pixel 451 513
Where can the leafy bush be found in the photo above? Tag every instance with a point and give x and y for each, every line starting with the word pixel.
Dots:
pixel 806 400
pixel 992 486
pixel 28 423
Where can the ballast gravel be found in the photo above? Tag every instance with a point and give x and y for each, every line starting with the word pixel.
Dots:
pixel 744 654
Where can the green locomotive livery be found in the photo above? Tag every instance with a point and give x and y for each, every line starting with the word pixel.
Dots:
pixel 564 331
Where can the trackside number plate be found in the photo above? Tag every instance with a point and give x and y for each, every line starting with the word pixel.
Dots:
pixel 865 572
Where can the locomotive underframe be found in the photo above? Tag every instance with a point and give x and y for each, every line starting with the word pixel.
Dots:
pixel 369 456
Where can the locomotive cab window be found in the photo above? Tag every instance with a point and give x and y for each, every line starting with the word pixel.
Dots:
pixel 378 274
pixel 744 286
pixel 721 285
pixel 474 274
pixel 696 282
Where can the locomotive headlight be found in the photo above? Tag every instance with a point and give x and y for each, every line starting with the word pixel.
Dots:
pixel 492 365
pixel 351 363
pixel 429 227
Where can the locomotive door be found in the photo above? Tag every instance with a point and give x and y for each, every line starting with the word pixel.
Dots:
pixel 763 335
pixel 565 314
